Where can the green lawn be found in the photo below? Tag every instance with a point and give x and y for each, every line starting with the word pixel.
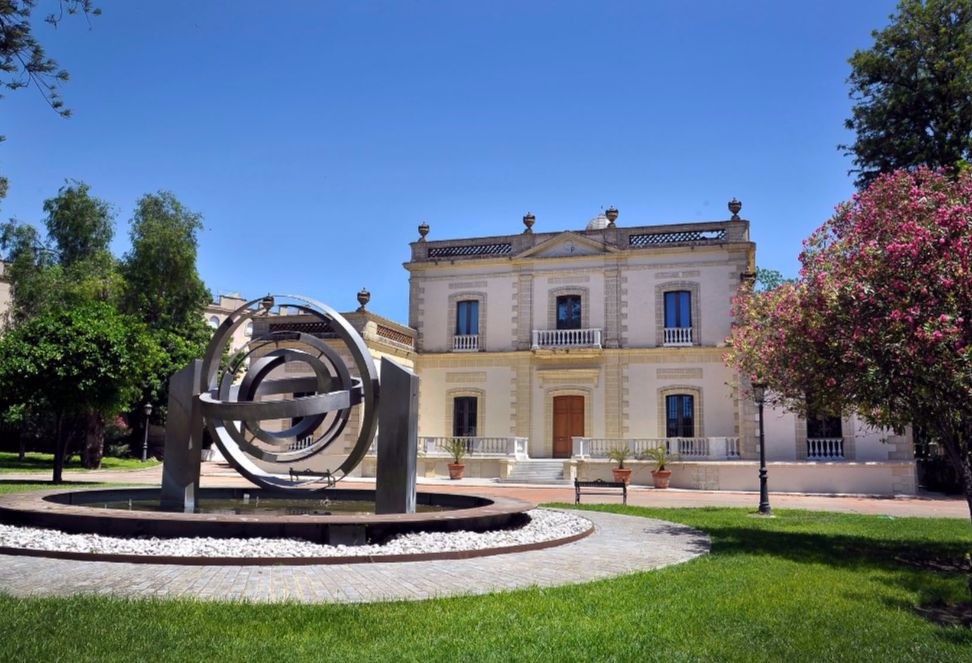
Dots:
pixel 800 586
pixel 13 485
pixel 9 462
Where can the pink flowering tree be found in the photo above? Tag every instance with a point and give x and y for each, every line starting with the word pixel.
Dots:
pixel 880 320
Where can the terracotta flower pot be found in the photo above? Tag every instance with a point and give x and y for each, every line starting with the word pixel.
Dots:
pixel 622 474
pixel 456 470
pixel 661 478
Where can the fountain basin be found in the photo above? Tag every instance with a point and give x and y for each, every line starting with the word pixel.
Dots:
pixel 83 512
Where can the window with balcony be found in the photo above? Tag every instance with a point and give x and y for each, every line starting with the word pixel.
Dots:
pixel 678 317
pixel 467 325
pixel 569 312
pixel 464 411
pixel 680 415
pixel 825 437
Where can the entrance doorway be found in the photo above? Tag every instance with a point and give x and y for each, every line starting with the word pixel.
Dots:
pixel 568 422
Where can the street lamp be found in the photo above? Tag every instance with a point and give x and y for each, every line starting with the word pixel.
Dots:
pixel 759 395
pixel 148 413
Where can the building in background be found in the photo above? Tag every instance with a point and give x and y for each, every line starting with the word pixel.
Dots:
pixel 546 350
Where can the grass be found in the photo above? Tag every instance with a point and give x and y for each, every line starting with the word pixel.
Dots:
pixel 10 462
pixel 801 586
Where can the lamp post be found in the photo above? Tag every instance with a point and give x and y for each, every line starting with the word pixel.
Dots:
pixel 759 395
pixel 148 413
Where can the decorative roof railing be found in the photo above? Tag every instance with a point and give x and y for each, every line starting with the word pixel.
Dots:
pixel 396 336
pixel 674 237
pixel 317 328
pixel 502 249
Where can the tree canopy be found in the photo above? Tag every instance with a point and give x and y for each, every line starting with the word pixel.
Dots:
pixel 23 60
pixel 90 336
pixel 162 287
pixel 912 91
pixel 880 320
pixel 72 265
pixel 74 361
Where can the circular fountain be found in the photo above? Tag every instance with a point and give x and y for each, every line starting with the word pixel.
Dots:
pixel 309 369
pixel 315 516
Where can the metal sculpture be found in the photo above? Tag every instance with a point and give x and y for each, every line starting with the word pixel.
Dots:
pixel 234 408
pixel 234 396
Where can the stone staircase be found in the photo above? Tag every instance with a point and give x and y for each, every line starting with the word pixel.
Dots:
pixel 537 471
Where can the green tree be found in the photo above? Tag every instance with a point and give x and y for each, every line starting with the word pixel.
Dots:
pixel 912 91
pixel 75 361
pixel 71 269
pixel 162 284
pixel 73 265
pixel 767 279
pixel 29 269
pixel 79 224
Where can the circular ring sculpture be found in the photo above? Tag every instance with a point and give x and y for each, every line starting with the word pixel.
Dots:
pixel 242 395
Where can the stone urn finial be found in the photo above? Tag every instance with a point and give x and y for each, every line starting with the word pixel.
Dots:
pixel 423 229
pixel 267 303
pixel 612 214
pixel 363 298
pixel 528 221
pixel 734 207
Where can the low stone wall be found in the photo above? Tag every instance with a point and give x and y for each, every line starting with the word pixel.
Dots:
pixel 476 468
pixel 867 478
pixel 862 478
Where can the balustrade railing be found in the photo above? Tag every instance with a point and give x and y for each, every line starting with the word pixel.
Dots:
pixel 693 448
pixel 825 448
pixel 566 338
pixel 513 447
pixel 465 342
pixel 678 336
pixel 302 443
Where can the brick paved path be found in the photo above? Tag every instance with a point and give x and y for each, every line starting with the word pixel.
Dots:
pixel 620 544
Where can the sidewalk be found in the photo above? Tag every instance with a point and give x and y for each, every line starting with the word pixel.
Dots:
pixel 923 506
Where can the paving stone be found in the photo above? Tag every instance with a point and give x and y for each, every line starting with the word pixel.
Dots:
pixel 621 544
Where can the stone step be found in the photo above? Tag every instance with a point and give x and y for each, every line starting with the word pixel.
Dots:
pixel 537 471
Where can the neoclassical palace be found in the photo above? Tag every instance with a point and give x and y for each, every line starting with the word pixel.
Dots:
pixel 544 350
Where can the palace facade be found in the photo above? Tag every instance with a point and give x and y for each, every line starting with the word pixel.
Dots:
pixel 544 350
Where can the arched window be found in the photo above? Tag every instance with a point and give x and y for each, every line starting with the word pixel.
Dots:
pixel 213 321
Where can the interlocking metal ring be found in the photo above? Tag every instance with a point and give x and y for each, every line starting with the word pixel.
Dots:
pixel 241 394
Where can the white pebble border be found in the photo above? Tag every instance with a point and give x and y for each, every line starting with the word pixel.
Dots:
pixel 544 525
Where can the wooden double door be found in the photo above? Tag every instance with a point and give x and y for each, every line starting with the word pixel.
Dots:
pixel 568 422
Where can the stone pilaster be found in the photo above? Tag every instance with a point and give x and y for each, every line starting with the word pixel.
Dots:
pixel 612 306
pixel 523 311
pixel 612 395
pixel 520 391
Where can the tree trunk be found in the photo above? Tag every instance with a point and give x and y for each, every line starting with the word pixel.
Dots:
pixel 94 441
pixel 60 446
pixel 957 449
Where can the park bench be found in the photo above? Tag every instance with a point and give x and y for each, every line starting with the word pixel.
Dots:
pixel 599 487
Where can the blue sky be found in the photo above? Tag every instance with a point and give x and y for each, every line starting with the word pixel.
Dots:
pixel 314 136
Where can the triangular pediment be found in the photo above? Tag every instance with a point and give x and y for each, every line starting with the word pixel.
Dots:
pixel 567 245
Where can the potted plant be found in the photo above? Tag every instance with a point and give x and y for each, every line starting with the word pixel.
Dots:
pixel 659 456
pixel 619 454
pixel 455 447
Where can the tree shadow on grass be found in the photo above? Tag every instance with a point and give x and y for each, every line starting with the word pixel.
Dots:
pixel 909 560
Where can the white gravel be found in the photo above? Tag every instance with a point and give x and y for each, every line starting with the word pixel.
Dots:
pixel 544 525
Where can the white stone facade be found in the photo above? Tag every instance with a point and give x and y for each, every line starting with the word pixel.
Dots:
pixel 612 336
